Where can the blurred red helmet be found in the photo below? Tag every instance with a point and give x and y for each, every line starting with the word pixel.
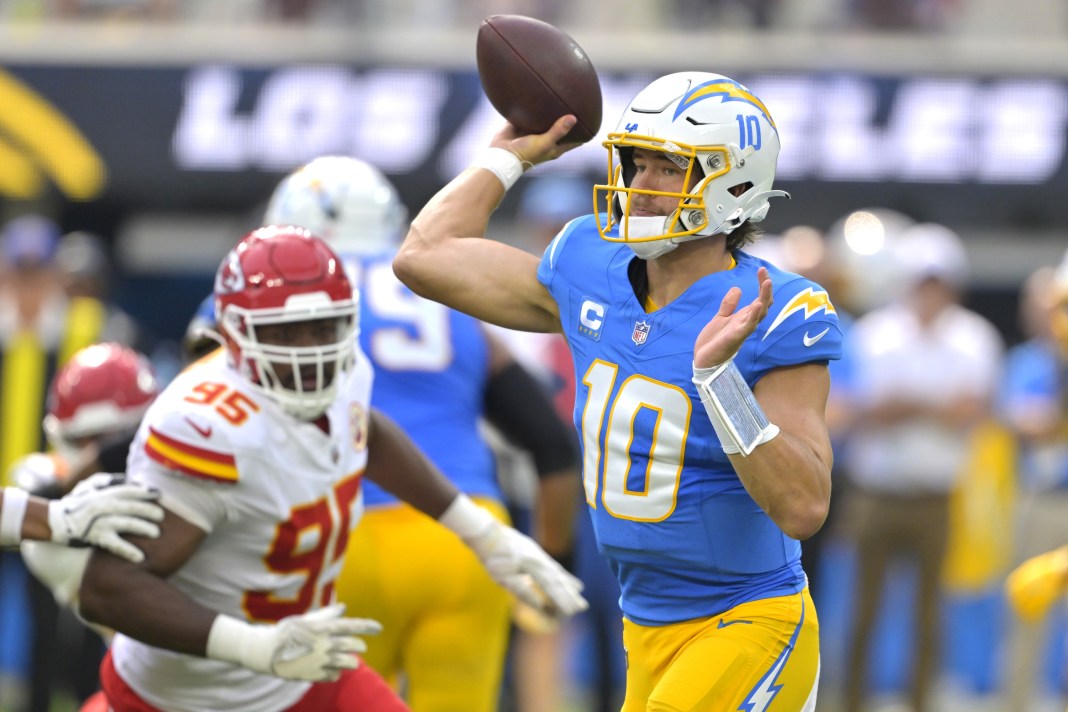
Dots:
pixel 103 389
pixel 285 275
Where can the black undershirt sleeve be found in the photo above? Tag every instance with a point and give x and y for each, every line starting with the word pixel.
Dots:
pixel 520 407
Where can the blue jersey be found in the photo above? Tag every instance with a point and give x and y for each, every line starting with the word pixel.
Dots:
pixel 670 514
pixel 431 365
pixel 1034 381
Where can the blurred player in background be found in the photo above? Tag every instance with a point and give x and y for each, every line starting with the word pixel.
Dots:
pixel 95 404
pixel 1034 402
pixel 706 452
pixel 79 509
pixel 260 452
pixel 438 373
pixel 86 271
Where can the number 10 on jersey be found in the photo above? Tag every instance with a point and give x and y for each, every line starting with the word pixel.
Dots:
pixel 615 453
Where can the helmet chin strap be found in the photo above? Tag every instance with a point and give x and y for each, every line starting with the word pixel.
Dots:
pixel 652 249
pixel 654 225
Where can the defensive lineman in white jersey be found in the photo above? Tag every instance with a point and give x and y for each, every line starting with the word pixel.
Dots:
pixel 259 452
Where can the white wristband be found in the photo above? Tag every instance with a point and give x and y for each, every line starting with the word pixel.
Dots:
pixel 502 163
pixel 736 416
pixel 12 513
pixel 466 518
pixel 236 641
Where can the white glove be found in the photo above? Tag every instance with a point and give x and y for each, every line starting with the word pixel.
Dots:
pixel 515 561
pixel 313 646
pixel 102 507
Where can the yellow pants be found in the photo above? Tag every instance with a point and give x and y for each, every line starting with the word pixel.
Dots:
pixel 761 656
pixel 445 622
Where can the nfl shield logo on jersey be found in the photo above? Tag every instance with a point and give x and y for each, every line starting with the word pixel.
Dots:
pixel 640 333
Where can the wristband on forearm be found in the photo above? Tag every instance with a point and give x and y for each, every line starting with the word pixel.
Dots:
pixel 736 416
pixel 12 514
pixel 466 519
pixel 236 641
pixel 502 163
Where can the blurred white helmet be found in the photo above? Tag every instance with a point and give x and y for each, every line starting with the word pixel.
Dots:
pixel 930 250
pixel 708 125
pixel 347 202
pixel 864 244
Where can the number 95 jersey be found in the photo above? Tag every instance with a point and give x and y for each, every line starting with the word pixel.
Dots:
pixel 670 514
pixel 277 498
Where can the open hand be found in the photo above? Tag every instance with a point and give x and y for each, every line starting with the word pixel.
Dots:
pixel 721 338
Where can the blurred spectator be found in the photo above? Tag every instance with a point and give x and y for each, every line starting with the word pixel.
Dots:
pixel 117 9
pixel 903 15
pixel 705 13
pixel 925 369
pixel 40 329
pixel 85 269
pixel 33 326
pixel 1033 402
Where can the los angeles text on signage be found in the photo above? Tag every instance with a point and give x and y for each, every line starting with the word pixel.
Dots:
pixel 216 138
pixel 833 128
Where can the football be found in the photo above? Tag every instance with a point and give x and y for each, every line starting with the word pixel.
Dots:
pixel 533 73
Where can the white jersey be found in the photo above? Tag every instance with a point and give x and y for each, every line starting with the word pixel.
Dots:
pixel 277 498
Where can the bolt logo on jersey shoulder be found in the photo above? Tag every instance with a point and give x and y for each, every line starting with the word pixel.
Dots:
pixel 726 90
pixel 808 300
pixel 231 278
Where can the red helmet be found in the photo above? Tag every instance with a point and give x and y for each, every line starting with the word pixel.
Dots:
pixel 285 275
pixel 103 389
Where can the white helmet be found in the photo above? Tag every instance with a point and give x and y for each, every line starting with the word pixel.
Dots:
pixel 706 123
pixel 345 201
pixel 932 250
pixel 865 243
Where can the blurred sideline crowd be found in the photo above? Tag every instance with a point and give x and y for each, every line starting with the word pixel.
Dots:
pixel 975 17
pixel 939 574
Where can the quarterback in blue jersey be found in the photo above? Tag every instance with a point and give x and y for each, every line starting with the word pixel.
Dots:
pixel 702 383
pixel 441 376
